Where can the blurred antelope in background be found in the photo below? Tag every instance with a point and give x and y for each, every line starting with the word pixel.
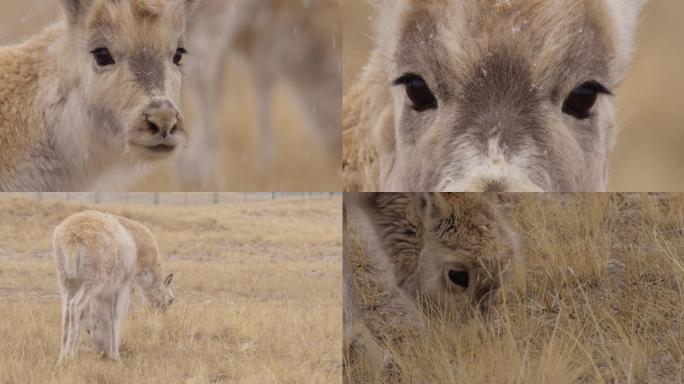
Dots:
pixel 496 95
pixel 294 42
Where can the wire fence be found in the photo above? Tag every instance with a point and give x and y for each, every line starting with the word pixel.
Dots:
pixel 170 198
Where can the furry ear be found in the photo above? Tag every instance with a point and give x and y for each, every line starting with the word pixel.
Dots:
pixel 75 9
pixel 168 279
pixel 191 5
pixel 431 206
pixel 626 19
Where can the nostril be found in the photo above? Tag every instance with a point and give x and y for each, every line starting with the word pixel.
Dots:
pixel 173 129
pixel 153 127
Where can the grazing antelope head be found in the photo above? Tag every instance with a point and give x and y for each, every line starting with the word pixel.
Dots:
pixel 452 249
pixel 157 292
pixel 499 95
pixel 124 57
pixel 466 250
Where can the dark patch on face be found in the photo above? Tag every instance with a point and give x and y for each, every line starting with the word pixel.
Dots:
pixel 148 69
pixel 500 99
pixel 495 186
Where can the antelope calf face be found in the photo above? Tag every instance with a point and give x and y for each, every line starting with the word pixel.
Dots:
pixel 447 250
pixel 502 95
pixel 467 250
pixel 127 55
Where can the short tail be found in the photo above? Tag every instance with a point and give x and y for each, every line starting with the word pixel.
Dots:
pixel 71 254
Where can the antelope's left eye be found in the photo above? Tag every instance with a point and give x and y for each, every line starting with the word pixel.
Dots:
pixel 102 56
pixel 179 55
pixel 582 99
pixel 459 278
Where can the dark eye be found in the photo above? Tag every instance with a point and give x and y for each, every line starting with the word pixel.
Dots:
pixel 179 55
pixel 418 92
pixel 102 57
pixel 582 99
pixel 459 278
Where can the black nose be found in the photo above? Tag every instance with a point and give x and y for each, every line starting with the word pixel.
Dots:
pixel 162 118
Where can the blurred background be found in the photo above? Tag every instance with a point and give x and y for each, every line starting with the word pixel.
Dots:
pixel 649 154
pixel 302 158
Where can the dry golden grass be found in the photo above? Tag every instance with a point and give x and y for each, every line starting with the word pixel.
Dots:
pixel 257 289
pixel 648 155
pixel 244 170
pixel 600 300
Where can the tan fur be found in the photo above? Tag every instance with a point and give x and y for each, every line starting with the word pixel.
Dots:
pixel 67 123
pixel 99 257
pixel 535 51
pixel 296 43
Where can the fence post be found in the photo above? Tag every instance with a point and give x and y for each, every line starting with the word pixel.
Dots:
pixel 156 198
pixel 97 197
pixel 185 199
pixel 216 198
pixel 39 196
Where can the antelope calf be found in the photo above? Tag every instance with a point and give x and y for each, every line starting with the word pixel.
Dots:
pixel 99 257
pixel 493 95
pixel 93 100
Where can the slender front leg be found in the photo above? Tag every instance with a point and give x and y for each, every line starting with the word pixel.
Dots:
pixel 120 312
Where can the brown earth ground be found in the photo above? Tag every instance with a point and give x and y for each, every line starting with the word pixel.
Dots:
pixel 257 289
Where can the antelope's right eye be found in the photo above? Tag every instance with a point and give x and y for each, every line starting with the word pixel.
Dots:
pixel 417 90
pixel 102 57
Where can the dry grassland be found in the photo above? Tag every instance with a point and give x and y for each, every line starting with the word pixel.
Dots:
pixel 257 289
pixel 648 155
pixel 600 299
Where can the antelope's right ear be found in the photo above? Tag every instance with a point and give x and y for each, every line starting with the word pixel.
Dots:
pixel 74 10
pixel 168 279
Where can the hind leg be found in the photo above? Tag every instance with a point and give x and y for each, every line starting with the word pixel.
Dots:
pixel 76 308
pixel 65 325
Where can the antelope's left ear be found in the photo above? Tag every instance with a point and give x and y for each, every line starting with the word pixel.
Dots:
pixel 168 279
pixel 625 15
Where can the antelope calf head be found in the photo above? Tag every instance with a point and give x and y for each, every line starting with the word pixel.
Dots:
pixel 466 250
pixel 451 249
pixel 157 292
pixel 125 57
pixel 501 95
